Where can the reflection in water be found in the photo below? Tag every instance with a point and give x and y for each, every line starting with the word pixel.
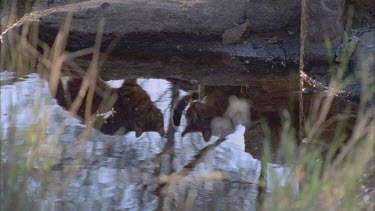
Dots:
pixel 7 78
pixel 117 110
pixel 217 111
pixel 119 172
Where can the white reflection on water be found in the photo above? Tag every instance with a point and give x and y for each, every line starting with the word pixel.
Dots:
pixel 114 180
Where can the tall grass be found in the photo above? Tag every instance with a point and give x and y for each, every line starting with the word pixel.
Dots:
pixel 329 175
pixel 332 175
pixel 28 156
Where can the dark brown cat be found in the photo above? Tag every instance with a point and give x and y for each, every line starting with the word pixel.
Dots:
pixel 141 110
pixel 118 110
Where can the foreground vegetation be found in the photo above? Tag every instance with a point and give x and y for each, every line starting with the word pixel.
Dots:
pixel 330 176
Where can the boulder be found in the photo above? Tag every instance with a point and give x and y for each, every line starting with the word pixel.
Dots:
pixel 159 22
pixel 364 55
pixel 266 15
pixel 322 22
pixel 236 34
pixel 366 7
pixel 364 13
pixel 46 4
pixel 140 22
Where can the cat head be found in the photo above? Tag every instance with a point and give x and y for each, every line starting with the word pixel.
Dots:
pixel 198 118
pixel 148 120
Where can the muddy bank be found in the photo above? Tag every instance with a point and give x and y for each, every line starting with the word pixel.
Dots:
pixel 208 68
pixel 272 28
pixel 208 23
pixel 279 31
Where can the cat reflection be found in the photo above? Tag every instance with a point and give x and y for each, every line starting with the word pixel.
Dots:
pixel 214 110
pixel 217 110
pixel 117 110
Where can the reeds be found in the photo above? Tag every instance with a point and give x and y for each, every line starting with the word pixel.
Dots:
pixel 330 176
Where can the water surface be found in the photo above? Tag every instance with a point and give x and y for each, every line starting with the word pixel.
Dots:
pixel 121 171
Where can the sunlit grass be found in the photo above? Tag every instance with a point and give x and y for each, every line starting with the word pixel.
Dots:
pixel 28 156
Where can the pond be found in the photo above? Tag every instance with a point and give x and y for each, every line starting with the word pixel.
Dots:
pixel 167 139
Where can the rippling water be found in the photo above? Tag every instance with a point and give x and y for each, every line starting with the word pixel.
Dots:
pixel 120 172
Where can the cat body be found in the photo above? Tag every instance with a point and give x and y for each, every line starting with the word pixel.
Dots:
pixel 144 115
pixel 117 110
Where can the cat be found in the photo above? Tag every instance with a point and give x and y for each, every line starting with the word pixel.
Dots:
pixel 146 116
pixel 213 110
pixel 118 110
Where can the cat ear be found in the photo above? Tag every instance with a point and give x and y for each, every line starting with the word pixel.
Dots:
pixel 207 134
pixel 178 109
pixel 176 119
pixel 161 132
pixel 138 132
